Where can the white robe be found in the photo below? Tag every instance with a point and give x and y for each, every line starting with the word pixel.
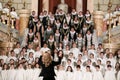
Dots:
pixel 4 74
pixel 20 74
pixel 97 75
pixel 78 75
pixel 118 76
pixel 13 74
pixel 36 73
pixel 60 75
pixel 87 76
pixel 75 52
pixel 109 75
pixel 69 75
pixel 29 74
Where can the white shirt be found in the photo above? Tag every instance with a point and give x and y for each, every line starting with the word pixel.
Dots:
pixel 20 75
pixel 42 50
pixel 78 75
pixel 75 52
pixel 13 74
pixel 36 73
pixel 97 75
pixel 109 75
pixel 87 76
pixel 118 76
pixel 60 75
pixel 69 75
pixel 4 74
pixel 29 74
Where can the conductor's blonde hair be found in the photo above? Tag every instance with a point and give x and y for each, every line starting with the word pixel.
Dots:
pixel 46 59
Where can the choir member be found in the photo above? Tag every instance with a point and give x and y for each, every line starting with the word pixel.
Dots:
pixel 47 33
pixel 78 75
pixel 20 73
pixel 97 75
pixel 12 71
pixel 80 41
pixel 60 73
pixel 29 72
pixel 36 72
pixel 109 73
pixel 72 35
pixel 69 73
pixel 88 39
pixel 4 72
pixel 87 75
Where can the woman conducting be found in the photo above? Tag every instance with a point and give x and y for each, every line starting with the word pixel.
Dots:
pixel 47 64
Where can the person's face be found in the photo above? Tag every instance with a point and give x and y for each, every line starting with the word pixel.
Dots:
pixel 37 66
pixel 12 66
pixel 31 55
pixel 78 69
pixel 11 61
pixel 98 62
pixel 97 69
pixel 88 69
pixel 38 48
pixel 88 32
pixel 69 62
pixel 71 55
pixel 91 56
pixel 79 35
pixel 55 51
pixel 69 68
pixel 80 13
pixel 67 47
pixel 5 66
pixel 20 66
pixel 110 55
pixel 78 62
pixel 74 45
pixel 45 45
pixel 72 29
pixel 61 67
pixel 33 12
pixel 57 31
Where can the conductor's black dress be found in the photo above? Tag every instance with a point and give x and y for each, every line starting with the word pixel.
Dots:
pixel 48 73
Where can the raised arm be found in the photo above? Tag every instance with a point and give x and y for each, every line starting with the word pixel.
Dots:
pixel 55 63
pixel 40 61
pixel 59 61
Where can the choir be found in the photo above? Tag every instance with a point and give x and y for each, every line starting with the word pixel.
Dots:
pixel 73 35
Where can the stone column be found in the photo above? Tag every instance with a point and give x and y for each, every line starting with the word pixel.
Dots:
pixel 79 5
pixel 24 18
pixel 118 15
pixel 98 22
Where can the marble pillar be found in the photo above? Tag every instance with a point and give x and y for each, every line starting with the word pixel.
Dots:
pixel 45 5
pixel 118 15
pixel 79 5
pixel 90 5
pixel 112 46
pixel 24 18
pixel 34 6
pixel 98 22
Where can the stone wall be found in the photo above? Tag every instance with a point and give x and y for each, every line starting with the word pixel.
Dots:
pixel 18 4
pixel 104 4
